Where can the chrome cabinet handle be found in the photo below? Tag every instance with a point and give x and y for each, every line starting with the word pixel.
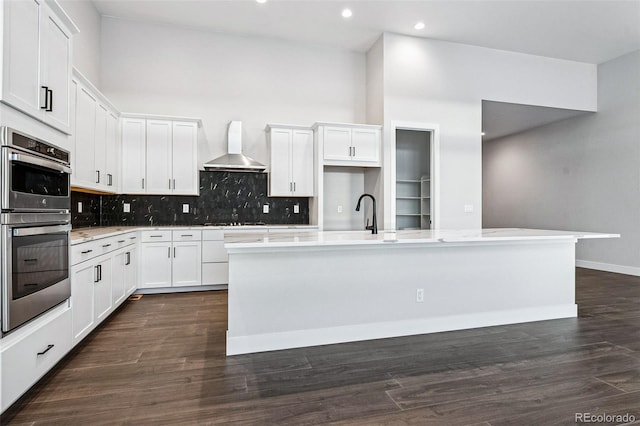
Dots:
pixel 169 252
pixel 174 252
pixel 106 245
pixel 142 183
pixel 169 183
pixel 132 238
pixel 154 236
pixel 49 347
pixel 294 187
pixel 186 235
pixel 174 184
pixel 128 258
pixel 121 241
pixel 86 251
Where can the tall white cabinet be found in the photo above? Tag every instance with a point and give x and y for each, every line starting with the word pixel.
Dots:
pixel 159 156
pixel 291 165
pixel 36 60
pixel 95 140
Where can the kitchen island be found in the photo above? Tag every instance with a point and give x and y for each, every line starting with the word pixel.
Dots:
pixel 315 288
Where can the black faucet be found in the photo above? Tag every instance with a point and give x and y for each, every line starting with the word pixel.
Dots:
pixel 374 226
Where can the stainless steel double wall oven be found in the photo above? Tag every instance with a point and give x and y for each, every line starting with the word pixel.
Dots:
pixel 34 227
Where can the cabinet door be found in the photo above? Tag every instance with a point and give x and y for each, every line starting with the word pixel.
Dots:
pixel 337 143
pixel 133 155
pixel 366 145
pixel 118 278
pixel 131 271
pixel 113 149
pixel 55 60
pixel 280 183
pixel 101 146
pixel 185 159
pixel 102 296
pixel 84 172
pixel 21 51
pixel 302 163
pixel 82 288
pixel 155 265
pixel 187 263
pixel 158 157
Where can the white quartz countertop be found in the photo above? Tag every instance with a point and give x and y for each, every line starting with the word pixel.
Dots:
pixel 338 238
pixel 82 235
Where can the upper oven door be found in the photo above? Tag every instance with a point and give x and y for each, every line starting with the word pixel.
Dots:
pixel 32 183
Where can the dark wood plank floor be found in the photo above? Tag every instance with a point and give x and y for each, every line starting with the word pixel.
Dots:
pixel 161 360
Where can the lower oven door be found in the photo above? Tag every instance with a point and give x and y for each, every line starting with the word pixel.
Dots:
pixel 35 271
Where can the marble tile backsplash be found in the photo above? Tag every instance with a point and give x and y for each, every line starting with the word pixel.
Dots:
pixel 224 197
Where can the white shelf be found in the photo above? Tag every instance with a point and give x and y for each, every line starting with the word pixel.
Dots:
pixel 407 181
pixel 408 214
pixel 408 198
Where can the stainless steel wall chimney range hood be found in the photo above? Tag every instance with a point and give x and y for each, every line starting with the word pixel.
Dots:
pixel 234 160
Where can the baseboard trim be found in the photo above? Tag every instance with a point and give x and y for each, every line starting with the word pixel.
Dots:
pixel 163 290
pixel 608 267
pixel 324 336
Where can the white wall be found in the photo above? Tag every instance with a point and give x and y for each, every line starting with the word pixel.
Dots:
pixel 342 187
pixel 157 69
pixel 444 83
pixel 85 44
pixel 581 174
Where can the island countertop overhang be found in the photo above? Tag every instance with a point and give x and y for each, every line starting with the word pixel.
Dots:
pixel 319 239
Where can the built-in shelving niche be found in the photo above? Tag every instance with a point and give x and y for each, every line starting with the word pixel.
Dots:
pixel 413 179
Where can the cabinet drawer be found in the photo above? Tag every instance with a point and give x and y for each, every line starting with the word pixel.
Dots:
pixel 214 251
pixel 26 361
pixel 215 273
pixel 213 235
pixel 125 240
pixel 155 236
pixel 187 235
pixel 84 251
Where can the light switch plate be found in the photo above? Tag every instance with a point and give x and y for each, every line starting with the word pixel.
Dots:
pixel 339 209
pixel 468 208
pixel 126 207
pixel 185 208
pixel 265 208
pixel 296 208
pixel 79 206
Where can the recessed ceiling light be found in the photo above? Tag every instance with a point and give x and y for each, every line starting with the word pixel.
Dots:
pixel 419 26
pixel 261 1
pixel 347 13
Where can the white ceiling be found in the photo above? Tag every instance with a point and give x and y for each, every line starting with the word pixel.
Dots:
pixel 591 31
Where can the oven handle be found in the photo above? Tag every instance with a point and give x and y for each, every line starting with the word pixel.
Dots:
pixel 40 230
pixel 30 159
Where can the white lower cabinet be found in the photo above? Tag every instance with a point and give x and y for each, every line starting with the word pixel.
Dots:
pixel 215 261
pixel 31 352
pixel 101 283
pixel 170 259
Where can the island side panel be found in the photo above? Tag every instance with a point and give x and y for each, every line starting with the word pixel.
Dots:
pixel 303 296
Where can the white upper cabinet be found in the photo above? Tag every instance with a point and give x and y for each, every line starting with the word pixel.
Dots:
pixel 350 144
pixel 84 153
pixel 169 162
pixel 134 136
pixel 95 140
pixel 185 158
pixel 36 60
pixel 159 142
pixel 291 161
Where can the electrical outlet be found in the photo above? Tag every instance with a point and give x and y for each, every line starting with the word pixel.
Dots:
pixel 79 206
pixel 296 208
pixel 265 208
pixel 185 208
pixel 468 208
pixel 339 209
pixel 420 295
pixel 126 208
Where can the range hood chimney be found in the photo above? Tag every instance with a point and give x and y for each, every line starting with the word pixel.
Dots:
pixel 234 160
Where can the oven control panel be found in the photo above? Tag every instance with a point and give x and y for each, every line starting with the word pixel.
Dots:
pixel 39 147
